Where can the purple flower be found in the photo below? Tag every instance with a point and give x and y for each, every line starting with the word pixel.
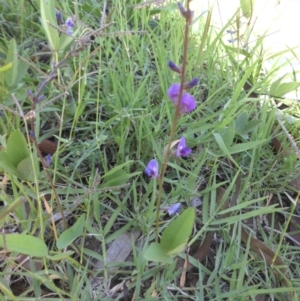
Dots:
pixel 31 134
pixel 182 149
pixel 152 169
pixel 231 31
pixel 174 67
pixel 69 22
pixel 173 92
pixel 48 160
pixel 187 103
pixel 173 208
pixel 69 31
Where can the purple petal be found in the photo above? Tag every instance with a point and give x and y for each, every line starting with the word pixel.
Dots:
pixel 173 93
pixel 188 103
pixel 69 22
pixel 182 149
pixel 174 208
pixel 31 134
pixel 152 169
pixel 231 31
pixel 69 31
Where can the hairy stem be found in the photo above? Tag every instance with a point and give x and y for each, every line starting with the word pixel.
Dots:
pixel 174 123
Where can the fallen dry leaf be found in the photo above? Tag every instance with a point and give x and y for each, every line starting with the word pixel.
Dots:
pixel 118 251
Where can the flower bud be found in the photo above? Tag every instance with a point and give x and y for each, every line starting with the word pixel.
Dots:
pixel 174 67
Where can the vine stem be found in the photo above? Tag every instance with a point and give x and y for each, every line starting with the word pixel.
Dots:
pixel 174 123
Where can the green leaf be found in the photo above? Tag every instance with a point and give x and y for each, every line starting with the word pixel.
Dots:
pixel 61 256
pixel 48 18
pixel 17 148
pixel 247 7
pixel 155 252
pixel 228 134
pixel 68 236
pixel 223 147
pixel 177 233
pixel 6 165
pixel 24 244
pixel 241 122
pixel 285 88
pixel 12 58
pixel 241 147
pixel 22 71
pixel 26 169
pixel 275 84
pixel 250 126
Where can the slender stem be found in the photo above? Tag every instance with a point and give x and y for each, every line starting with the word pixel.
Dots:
pixel 174 123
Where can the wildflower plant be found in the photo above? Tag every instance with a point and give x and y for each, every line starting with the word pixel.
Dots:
pixel 174 238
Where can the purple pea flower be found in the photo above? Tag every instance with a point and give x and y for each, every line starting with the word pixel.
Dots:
pixel 152 169
pixel 173 92
pixel 182 149
pixel 231 31
pixel 48 160
pixel 187 103
pixel 70 24
pixel 173 208
pixel 31 134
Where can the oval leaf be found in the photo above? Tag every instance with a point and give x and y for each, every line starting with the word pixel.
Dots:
pixel 155 252
pixel 68 236
pixel 247 7
pixel 25 169
pixel 6 165
pixel 285 88
pixel 177 233
pixel 24 244
pixel 48 18
pixel 12 57
pixel 16 148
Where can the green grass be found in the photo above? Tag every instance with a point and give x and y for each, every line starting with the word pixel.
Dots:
pixel 115 117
